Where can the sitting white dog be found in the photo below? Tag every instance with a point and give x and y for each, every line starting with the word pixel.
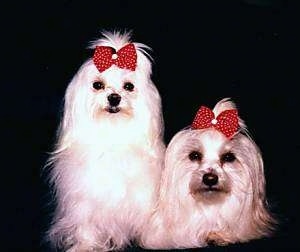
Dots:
pixel 213 185
pixel 107 163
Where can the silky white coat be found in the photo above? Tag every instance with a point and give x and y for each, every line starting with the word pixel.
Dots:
pixel 189 213
pixel 106 167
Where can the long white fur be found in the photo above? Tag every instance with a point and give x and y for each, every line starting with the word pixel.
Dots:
pixel 181 221
pixel 105 168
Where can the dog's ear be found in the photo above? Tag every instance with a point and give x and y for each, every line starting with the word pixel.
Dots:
pixel 256 167
pixel 174 191
pixel 74 108
pixel 262 222
pixel 250 157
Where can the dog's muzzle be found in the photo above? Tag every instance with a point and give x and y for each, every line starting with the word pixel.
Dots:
pixel 114 101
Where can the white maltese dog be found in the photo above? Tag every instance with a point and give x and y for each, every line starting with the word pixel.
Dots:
pixel 213 186
pixel 109 155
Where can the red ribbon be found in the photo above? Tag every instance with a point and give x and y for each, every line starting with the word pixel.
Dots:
pixel 105 56
pixel 226 122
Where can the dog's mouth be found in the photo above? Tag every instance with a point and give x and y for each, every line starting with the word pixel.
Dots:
pixel 209 189
pixel 212 189
pixel 209 194
pixel 113 109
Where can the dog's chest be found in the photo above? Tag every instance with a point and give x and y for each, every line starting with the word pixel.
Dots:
pixel 114 177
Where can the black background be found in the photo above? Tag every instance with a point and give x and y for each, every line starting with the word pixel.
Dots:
pixel 203 51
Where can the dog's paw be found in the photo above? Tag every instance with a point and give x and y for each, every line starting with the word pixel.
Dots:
pixel 217 239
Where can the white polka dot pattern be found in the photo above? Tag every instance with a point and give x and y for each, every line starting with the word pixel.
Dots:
pixel 105 56
pixel 226 122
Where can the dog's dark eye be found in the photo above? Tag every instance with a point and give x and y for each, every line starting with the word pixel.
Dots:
pixel 128 86
pixel 195 156
pixel 227 157
pixel 98 85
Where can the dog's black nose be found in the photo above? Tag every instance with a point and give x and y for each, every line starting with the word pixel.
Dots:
pixel 114 99
pixel 210 179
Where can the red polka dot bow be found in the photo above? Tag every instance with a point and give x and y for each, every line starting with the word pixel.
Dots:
pixel 226 122
pixel 105 56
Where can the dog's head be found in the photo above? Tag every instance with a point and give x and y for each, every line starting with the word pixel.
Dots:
pixel 113 90
pixel 215 167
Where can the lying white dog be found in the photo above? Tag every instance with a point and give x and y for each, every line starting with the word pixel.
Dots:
pixel 213 185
